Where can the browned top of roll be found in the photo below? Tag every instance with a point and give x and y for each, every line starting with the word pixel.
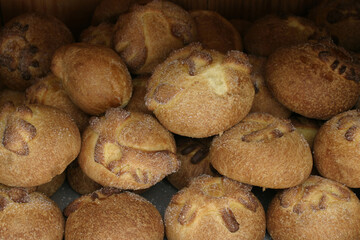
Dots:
pixel 315 79
pixel 111 214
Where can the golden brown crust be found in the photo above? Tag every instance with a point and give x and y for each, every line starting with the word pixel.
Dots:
pixel 137 101
pixel 49 91
pixel 101 34
pixel 264 101
pixel 147 34
pixel 317 209
pixel 8 95
pixel 264 151
pixel 29 215
pixel 110 214
pixel 94 76
pixel 341 19
pixel 279 31
pixel 306 126
pixel 193 154
pixel 128 150
pixel 51 187
pixel 336 150
pixel 216 32
pixel 27 43
pixel 314 79
pixel 199 93
pixel 79 181
pixel 215 208
pixel 38 142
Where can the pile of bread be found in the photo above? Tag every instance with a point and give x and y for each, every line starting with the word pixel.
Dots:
pixel 215 106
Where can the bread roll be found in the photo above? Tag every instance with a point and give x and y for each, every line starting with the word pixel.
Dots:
pixel 341 19
pixel 336 151
pixel 127 150
pixel 315 79
pixel 38 143
pixel 198 92
pixel 111 214
pixel 216 32
pixel 306 126
pixel 27 43
pixel 29 215
pixel 317 209
pixel 50 91
pixel 8 95
pixel 215 208
pixel 101 34
pixel 137 101
pixel 94 76
pixel 264 151
pixel 146 35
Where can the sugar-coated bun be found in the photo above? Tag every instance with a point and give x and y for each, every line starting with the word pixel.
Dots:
pixel 193 153
pixel 264 101
pixel 336 150
pixel 317 209
pixel 146 35
pixel 215 208
pixel 127 150
pixel 101 34
pixel 27 43
pixel 264 151
pixel 79 181
pixel 315 79
pixel 137 100
pixel 216 32
pixel 29 215
pixel 50 91
pixel 94 76
pixel 198 92
pixel 38 143
pixel 306 126
pixel 270 32
pixel 341 19
pixel 111 214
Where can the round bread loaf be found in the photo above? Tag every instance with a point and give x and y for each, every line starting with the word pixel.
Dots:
pixel 38 143
pixel 264 151
pixel 137 100
pixel 315 79
pixel 110 214
pixel 306 126
pixel 101 34
pixel 216 32
pixel 193 153
pixel 341 19
pixel 29 215
pixel 215 208
pixel 317 209
pixel 198 92
pixel 264 101
pixel 127 150
pixel 94 76
pixel 336 149
pixel 49 91
pixel 79 181
pixel 27 43
pixel 146 35
pixel 270 32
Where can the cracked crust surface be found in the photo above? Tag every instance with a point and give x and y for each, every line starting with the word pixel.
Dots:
pixel 264 151
pixel 215 208
pixel 27 43
pixel 315 79
pixel 38 142
pixel 128 150
pixel 336 150
pixel 198 93
pixel 147 34
pixel 109 213
pixel 319 208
